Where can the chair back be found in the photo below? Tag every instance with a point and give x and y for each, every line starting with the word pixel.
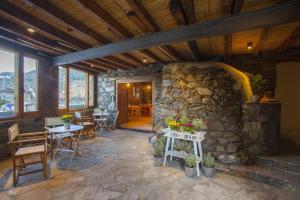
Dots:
pixel 52 121
pixel 96 110
pixel 13 132
pixel 77 115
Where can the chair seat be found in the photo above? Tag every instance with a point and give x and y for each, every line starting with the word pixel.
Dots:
pixel 30 150
pixel 87 123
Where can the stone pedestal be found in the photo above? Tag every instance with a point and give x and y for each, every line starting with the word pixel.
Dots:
pixel 261 128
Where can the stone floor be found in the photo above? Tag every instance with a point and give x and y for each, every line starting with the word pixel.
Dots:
pixel 126 171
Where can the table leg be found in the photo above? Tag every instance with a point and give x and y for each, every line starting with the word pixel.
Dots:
pixel 201 153
pixel 166 150
pixel 196 154
pixel 172 145
pixel 51 145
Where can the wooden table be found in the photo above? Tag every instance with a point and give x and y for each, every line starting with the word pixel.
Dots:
pixel 196 138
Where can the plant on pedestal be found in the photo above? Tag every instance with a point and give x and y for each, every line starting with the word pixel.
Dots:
pixel 66 119
pixel 258 86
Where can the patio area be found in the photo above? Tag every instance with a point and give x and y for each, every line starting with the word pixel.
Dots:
pixel 126 171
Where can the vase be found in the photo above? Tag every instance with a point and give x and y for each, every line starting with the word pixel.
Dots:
pixel 67 125
pixel 209 171
pixel 255 98
pixel 189 172
pixel 157 161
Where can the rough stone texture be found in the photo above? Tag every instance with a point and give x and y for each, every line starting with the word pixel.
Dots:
pixel 107 85
pixel 128 172
pixel 261 129
pixel 208 93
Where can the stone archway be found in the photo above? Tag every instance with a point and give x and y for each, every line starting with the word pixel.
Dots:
pixel 212 91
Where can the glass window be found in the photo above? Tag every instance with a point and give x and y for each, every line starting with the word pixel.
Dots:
pixel 62 88
pixel 91 90
pixel 77 89
pixel 30 84
pixel 8 83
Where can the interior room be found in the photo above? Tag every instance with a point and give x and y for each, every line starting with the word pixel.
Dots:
pixel 138 99
pixel 149 99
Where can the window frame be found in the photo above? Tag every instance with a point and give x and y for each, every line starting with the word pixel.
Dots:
pixel 17 82
pixel 37 112
pixel 67 91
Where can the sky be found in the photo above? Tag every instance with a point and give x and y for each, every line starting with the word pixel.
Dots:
pixel 7 60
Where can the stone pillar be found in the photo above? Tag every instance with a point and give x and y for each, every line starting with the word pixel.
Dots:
pixel 261 128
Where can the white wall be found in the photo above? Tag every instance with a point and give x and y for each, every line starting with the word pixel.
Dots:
pixel 288 92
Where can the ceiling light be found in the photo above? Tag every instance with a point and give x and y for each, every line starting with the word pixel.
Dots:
pixel 128 84
pixel 249 45
pixel 144 60
pixel 30 30
pixel 92 65
pixel 149 87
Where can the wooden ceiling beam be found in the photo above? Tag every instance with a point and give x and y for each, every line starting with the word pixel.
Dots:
pixel 183 13
pixel 262 38
pixel 113 24
pixel 237 6
pixel 96 64
pixel 85 67
pixel 60 14
pixel 143 20
pixel 295 35
pixel 279 14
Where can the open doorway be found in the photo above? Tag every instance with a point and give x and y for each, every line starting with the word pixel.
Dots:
pixel 135 105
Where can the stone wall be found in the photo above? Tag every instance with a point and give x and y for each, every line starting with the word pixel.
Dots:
pixel 211 93
pixel 48 102
pixel 261 129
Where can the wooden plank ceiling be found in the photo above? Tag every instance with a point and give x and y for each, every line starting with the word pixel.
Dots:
pixel 68 26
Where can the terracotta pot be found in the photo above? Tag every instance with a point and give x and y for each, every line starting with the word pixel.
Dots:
pixel 209 171
pixel 189 172
pixel 255 98
pixel 157 161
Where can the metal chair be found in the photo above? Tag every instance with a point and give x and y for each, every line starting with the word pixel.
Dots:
pixel 27 144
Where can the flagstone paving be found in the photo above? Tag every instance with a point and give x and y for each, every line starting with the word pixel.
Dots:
pixel 126 171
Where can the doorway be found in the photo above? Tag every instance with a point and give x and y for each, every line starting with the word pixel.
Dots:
pixel 135 105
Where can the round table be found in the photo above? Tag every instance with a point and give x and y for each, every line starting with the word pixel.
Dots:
pixel 63 133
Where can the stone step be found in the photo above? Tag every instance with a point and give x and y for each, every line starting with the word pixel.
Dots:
pixel 255 172
pixel 285 163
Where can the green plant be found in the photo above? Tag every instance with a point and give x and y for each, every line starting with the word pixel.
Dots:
pixel 208 160
pixel 158 148
pixel 190 161
pixel 181 145
pixel 258 83
pixel 199 124
pixel 3 102
pixel 168 120
pixel 184 119
pixel 66 118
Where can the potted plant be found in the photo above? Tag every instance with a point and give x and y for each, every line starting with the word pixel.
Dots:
pixel 190 165
pixel 158 152
pixel 258 87
pixel 199 124
pixel 208 164
pixel 66 119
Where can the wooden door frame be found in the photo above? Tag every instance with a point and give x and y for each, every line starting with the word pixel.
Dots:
pixel 140 79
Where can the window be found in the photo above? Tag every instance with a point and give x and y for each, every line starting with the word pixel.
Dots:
pixel 30 84
pixel 8 83
pixel 62 88
pixel 77 89
pixel 91 90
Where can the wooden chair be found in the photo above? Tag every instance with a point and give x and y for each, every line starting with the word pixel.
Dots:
pixel 87 123
pixel 27 144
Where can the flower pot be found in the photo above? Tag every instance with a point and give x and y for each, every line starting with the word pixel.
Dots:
pixel 189 172
pixel 255 98
pixel 67 125
pixel 209 171
pixel 157 161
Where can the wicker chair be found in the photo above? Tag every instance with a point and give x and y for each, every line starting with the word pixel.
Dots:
pixel 27 144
